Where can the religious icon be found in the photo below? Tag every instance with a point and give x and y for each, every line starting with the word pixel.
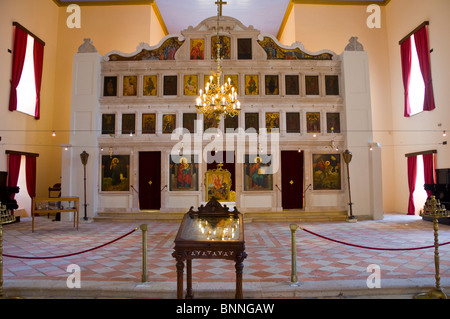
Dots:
pixel 189 121
pixel 218 184
pixel 312 85
pixel 326 171
pixel 258 173
pixel 110 86
pixel 271 84
pixel 313 122
pixel 148 123
pixel 244 49
pixel 234 81
pixel 292 122
pixel 225 47
pixel 150 85
pixel 210 121
pixel 108 124
pixel 170 85
pixel 272 122
pixel 129 123
pixel 115 173
pixel 251 85
pixel 183 173
pixel 169 123
pixel 252 121
pixel 292 85
pixel 333 123
pixel 197 49
pixel 190 84
pixel 332 84
pixel 129 85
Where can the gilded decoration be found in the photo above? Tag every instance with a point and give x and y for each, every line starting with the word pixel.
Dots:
pixel 275 52
pixel 166 51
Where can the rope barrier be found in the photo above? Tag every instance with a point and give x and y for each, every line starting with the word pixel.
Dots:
pixel 370 248
pixel 73 254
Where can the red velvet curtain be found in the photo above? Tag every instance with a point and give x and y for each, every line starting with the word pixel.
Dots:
pixel 423 52
pixel 412 176
pixel 38 55
pixel 19 50
pixel 428 168
pixel 405 49
pixel 13 171
pixel 30 169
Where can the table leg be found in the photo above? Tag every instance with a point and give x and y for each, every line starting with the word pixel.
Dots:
pixel 189 292
pixel 239 270
pixel 180 267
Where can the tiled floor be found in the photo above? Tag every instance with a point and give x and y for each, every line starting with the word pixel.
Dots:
pixel 268 246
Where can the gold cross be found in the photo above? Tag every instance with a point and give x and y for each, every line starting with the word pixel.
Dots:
pixel 220 3
pixel 220 165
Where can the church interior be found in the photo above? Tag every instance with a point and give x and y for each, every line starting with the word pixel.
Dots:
pixel 337 109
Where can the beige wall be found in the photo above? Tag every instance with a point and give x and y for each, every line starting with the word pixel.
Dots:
pixel 22 132
pixel 109 27
pixel 420 132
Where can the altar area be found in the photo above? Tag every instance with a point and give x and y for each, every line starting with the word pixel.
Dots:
pixel 149 147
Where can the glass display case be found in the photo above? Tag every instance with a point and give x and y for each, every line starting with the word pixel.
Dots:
pixel 49 205
pixel 212 232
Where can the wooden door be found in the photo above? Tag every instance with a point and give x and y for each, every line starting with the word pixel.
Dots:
pixel 292 179
pixel 149 180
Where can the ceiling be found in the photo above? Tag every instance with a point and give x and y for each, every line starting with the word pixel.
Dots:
pixel 264 15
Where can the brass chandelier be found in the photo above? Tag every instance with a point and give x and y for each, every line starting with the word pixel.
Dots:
pixel 218 98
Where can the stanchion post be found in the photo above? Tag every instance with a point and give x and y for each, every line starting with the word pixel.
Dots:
pixel 294 277
pixel 144 228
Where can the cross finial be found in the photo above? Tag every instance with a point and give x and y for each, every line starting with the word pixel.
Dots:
pixel 220 3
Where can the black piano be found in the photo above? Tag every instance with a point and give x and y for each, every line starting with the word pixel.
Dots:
pixel 441 190
pixel 6 194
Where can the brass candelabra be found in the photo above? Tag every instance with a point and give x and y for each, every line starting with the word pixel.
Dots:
pixel 5 218
pixel 435 210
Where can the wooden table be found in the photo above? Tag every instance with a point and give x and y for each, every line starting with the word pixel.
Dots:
pixel 52 205
pixel 212 232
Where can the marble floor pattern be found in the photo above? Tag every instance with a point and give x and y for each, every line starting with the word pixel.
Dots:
pixel 268 246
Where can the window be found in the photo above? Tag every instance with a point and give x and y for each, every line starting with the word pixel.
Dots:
pixel 26 75
pixel 416 72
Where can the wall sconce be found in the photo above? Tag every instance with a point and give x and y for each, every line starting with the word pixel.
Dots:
pixel 53 133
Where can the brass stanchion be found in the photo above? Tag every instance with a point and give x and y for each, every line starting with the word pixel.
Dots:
pixel 5 218
pixel 294 279
pixel 144 228
pixel 435 210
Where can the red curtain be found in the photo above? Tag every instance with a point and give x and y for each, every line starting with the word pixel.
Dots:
pixel 30 169
pixel 428 168
pixel 13 171
pixel 19 50
pixel 38 55
pixel 412 176
pixel 405 49
pixel 423 52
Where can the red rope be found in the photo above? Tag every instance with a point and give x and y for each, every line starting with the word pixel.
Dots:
pixel 78 253
pixel 371 248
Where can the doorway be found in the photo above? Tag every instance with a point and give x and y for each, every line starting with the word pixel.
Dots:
pixel 149 180
pixel 292 179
